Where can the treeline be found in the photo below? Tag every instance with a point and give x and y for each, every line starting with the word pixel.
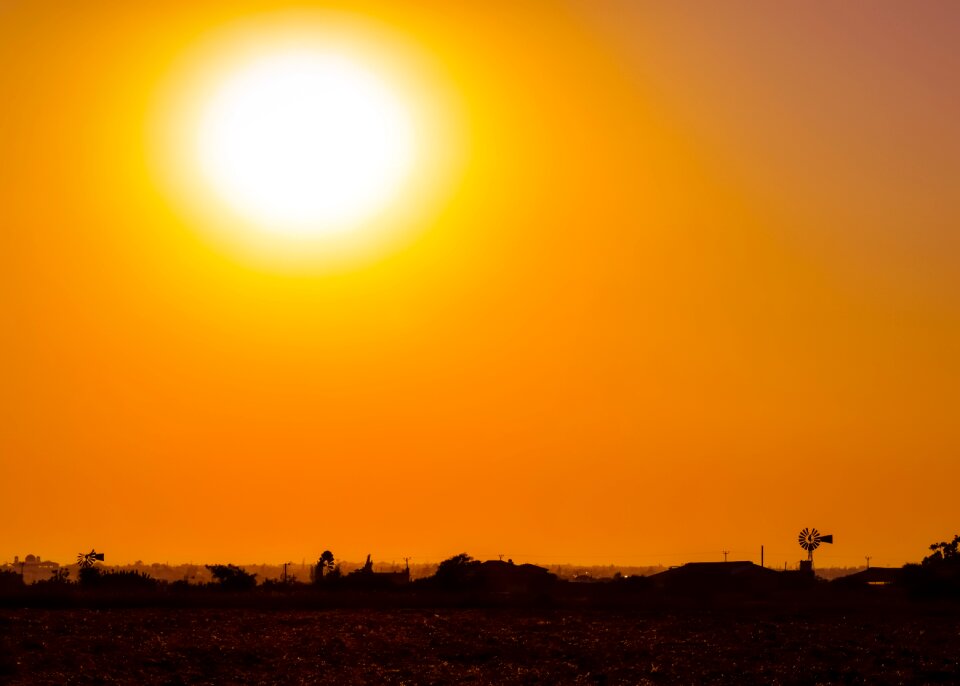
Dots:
pixel 327 573
pixel 305 571
pixel 937 576
pixel 456 581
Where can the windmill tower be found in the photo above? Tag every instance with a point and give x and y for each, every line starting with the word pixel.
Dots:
pixel 810 539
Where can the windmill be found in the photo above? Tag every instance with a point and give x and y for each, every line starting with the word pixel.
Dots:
pixel 86 560
pixel 810 539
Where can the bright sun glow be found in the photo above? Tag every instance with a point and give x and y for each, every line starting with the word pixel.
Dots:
pixel 307 141
pixel 304 143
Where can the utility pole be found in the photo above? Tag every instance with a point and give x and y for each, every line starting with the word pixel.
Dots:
pixel 725 553
pixel 868 561
pixel 761 556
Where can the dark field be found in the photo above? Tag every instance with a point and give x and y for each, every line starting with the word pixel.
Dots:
pixel 198 646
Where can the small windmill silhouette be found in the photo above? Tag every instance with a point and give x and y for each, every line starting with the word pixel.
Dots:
pixel 810 539
pixel 86 560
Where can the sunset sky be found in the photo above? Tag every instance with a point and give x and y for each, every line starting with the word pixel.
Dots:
pixel 665 279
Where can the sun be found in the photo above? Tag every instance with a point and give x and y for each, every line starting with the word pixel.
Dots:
pixel 304 143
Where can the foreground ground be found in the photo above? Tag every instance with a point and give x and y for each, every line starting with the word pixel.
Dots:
pixel 204 646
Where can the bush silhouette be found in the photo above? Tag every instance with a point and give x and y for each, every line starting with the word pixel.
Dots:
pixel 95 577
pixel 89 576
pixel 233 578
pixel 10 580
pixel 59 578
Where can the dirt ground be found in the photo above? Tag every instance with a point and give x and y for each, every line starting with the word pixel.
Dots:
pixel 235 646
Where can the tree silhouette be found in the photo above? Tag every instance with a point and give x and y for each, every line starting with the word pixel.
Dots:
pixel 944 552
pixel 326 561
pixel 325 567
pixel 456 570
pixel 938 575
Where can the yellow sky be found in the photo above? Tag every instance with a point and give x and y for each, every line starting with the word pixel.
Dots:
pixel 684 281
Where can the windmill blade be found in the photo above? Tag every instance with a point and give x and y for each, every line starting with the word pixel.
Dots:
pixel 810 539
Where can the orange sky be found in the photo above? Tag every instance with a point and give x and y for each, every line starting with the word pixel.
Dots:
pixel 692 287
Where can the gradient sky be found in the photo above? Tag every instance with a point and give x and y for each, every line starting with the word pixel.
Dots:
pixel 693 287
